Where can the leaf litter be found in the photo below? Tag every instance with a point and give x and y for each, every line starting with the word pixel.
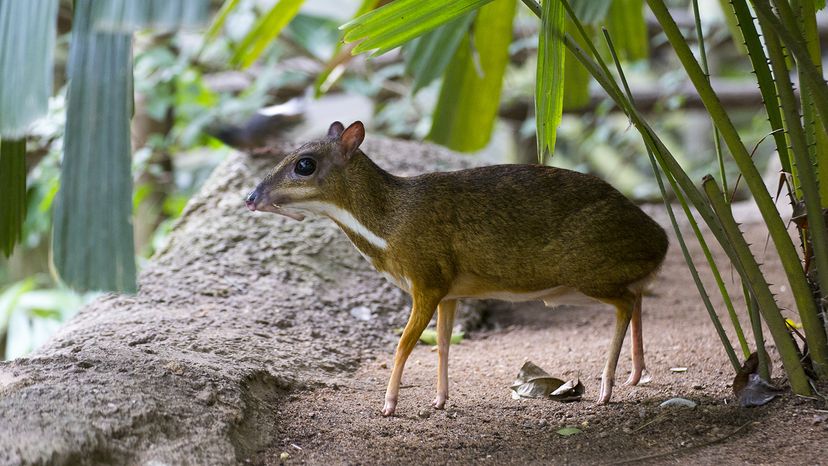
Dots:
pixel 534 382
pixel 750 388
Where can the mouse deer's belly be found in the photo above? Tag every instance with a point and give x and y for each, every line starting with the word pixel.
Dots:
pixel 467 286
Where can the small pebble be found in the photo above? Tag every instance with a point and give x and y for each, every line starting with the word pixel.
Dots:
pixel 284 456
pixel 680 402
pixel 424 414
pixel 542 423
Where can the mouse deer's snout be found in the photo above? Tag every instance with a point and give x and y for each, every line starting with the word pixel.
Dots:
pixel 258 199
pixel 250 200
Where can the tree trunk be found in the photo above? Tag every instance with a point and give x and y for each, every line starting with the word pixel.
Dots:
pixel 237 311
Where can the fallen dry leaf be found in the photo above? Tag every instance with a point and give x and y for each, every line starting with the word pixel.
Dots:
pixel 751 389
pixel 534 382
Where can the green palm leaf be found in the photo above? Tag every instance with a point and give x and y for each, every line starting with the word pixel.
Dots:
pixel 626 22
pixel 402 20
pixel 549 83
pixel 93 239
pixel 264 31
pixel 131 15
pixel 12 192
pixel 27 40
pixel 428 56
pixel 470 96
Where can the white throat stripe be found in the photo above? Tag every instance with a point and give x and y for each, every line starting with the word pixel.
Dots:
pixel 346 219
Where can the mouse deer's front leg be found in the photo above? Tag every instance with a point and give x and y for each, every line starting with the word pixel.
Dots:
pixel 445 321
pixel 425 302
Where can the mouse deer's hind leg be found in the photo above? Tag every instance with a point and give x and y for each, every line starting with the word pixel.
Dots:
pixel 421 312
pixel 623 313
pixel 637 348
pixel 445 321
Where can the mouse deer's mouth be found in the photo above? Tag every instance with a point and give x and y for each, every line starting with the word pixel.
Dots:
pixel 277 209
pixel 256 202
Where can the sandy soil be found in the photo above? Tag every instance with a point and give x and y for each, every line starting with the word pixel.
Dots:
pixel 340 423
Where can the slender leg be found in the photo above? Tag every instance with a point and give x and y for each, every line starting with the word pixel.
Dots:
pixel 623 313
pixel 421 313
pixel 445 321
pixel 637 344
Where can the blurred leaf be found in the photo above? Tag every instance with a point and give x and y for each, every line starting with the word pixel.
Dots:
pixel 470 96
pixel 335 67
pixel 733 26
pixel 9 298
pixel 402 20
pixel 93 239
pixel 218 23
pixel 628 27
pixel 576 77
pixel 429 337
pixel 318 35
pixel 428 55
pixel 592 11
pixel 549 84
pixel 34 315
pixel 567 431
pixel 160 15
pixel 12 193
pixel 27 42
pixel 264 31
pixel 45 314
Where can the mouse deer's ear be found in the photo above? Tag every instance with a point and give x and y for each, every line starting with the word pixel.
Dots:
pixel 351 139
pixel 335 130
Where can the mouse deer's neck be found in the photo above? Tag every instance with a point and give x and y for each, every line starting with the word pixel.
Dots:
pixel 365 204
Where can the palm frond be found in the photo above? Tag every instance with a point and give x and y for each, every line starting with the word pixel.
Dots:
pixel 93 239
pixel 402 20
pixel 12 192
pixel 549 84
pixel 160 15
pixel 470 96
pixel 27 41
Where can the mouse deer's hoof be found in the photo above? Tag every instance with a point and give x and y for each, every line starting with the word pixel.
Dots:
pixel 638 377
pixel 606 393
pixel 389 408
pixel 439 402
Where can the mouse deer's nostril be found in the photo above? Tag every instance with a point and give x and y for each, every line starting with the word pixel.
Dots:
pixel 250 200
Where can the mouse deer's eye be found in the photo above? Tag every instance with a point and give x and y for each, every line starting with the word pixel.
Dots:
pixel 305 166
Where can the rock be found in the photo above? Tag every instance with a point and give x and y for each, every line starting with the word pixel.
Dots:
pixel 678 402
pixel 362 313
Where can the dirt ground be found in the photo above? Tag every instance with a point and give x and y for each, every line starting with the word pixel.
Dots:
pixel 340 423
